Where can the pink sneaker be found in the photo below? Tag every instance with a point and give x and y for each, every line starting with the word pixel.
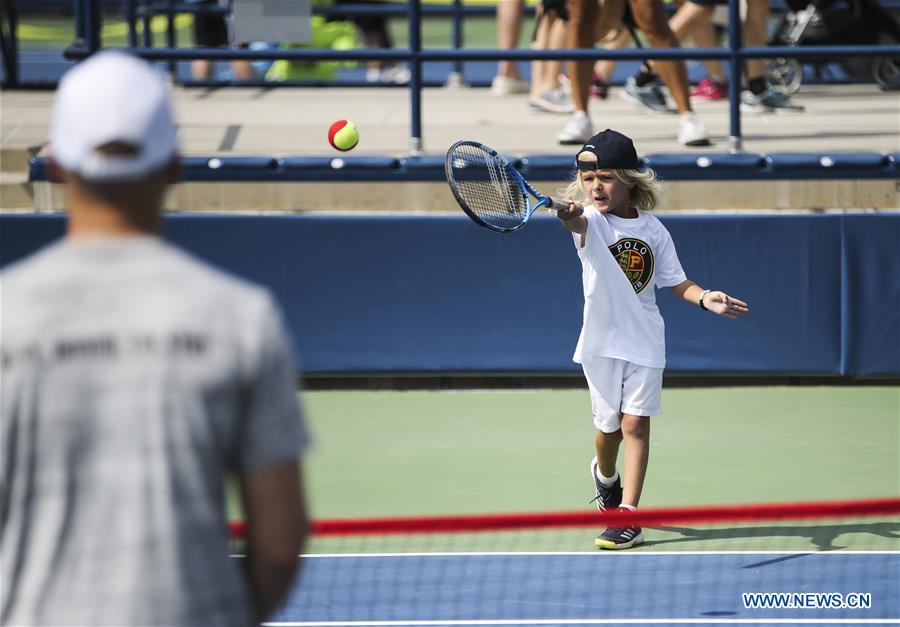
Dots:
pixel 710 89
pixel 599 88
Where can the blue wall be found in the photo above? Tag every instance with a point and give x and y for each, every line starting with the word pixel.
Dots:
pixel 438 294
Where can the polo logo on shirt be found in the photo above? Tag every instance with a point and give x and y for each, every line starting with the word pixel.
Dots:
pixel 636 260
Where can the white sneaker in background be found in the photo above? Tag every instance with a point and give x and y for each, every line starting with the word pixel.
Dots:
pixel 508 85
pixel 577 131
pixel 651 96
pixel 373 75
pixel 691 131
pixel 396 75
pixel 770 101
pixel 553 101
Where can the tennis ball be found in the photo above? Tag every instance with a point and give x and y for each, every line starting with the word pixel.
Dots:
pixel 343 135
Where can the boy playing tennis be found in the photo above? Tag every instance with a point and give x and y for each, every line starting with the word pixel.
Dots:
pixel 622 342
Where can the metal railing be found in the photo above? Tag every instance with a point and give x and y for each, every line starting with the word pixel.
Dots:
pixel 88 21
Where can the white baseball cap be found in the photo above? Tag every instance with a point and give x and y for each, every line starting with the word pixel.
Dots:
pixel 112 97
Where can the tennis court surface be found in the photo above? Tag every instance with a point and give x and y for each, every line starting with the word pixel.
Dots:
pixel 471 508
pixel 604 588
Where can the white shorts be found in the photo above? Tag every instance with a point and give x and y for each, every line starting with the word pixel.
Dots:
pixel 621 387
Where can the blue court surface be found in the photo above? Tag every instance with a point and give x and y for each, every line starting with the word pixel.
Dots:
pixel 639 587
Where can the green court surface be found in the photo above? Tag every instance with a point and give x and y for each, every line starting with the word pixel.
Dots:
pixel 474 452
pixel 58 32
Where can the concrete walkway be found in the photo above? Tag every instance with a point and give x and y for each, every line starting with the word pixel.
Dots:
pixel 294 121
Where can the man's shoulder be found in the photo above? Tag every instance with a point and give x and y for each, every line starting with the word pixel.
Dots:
pixel 159 268
pixel 23 271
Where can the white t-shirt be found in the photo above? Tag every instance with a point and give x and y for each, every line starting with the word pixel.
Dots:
pixel 621 319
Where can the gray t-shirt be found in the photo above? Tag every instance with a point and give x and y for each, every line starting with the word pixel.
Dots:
pixel 134 378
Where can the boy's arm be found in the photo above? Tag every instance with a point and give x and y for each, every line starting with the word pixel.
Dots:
pixel 717 302
pixel 573 217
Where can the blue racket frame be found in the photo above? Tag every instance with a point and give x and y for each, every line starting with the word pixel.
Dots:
pixel 524 186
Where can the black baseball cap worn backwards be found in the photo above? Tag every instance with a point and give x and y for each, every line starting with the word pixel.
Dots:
pixel 614 151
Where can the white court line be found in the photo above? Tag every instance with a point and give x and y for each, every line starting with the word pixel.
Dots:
pixel 599 621
pixel 595 553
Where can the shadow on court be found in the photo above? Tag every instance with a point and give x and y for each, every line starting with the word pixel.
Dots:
pixel 822 537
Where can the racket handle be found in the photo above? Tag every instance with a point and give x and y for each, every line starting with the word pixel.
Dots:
pixel 558 205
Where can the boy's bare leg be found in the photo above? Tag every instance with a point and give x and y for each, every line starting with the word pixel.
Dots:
pixel 636 435
pixel 607 446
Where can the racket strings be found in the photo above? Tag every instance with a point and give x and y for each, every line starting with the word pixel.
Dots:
pixel 484 182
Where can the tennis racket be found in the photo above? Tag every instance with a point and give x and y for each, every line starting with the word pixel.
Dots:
pixel 490 190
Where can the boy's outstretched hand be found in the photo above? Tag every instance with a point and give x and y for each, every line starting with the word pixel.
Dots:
pixel 725 305
pixel 572 217
pixel 572 210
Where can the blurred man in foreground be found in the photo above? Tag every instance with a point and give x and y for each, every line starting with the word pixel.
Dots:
pixel 135 378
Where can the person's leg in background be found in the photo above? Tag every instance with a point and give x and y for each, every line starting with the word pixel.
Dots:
pixel 201 69
pixel 694 21
pixel 603 70
pixel 243 70
pixel 210 31
pixel 651 18
pixel 759 97
pixel 644 87
pixel 373 30
pixel 216 31
pixel 547 93
pixel 544 21
pixel 713 86
pixel 509 26
pixel 580 34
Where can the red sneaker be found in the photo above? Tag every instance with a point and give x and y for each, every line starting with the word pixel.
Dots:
pixel 599 88
pixel 710 89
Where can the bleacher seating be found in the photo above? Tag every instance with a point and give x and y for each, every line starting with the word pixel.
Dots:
pixel 830 165
pixel 707 166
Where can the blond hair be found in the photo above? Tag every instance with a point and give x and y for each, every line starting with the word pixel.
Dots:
pixel 646 190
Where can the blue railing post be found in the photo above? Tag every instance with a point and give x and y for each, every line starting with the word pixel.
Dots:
pixel 170 35
pixel 78 11
pixel 456 78
pixel 130 13
pixel 415 83
pixel 88 21
pixel 9 38
pixel 146 25
pixel 736 69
